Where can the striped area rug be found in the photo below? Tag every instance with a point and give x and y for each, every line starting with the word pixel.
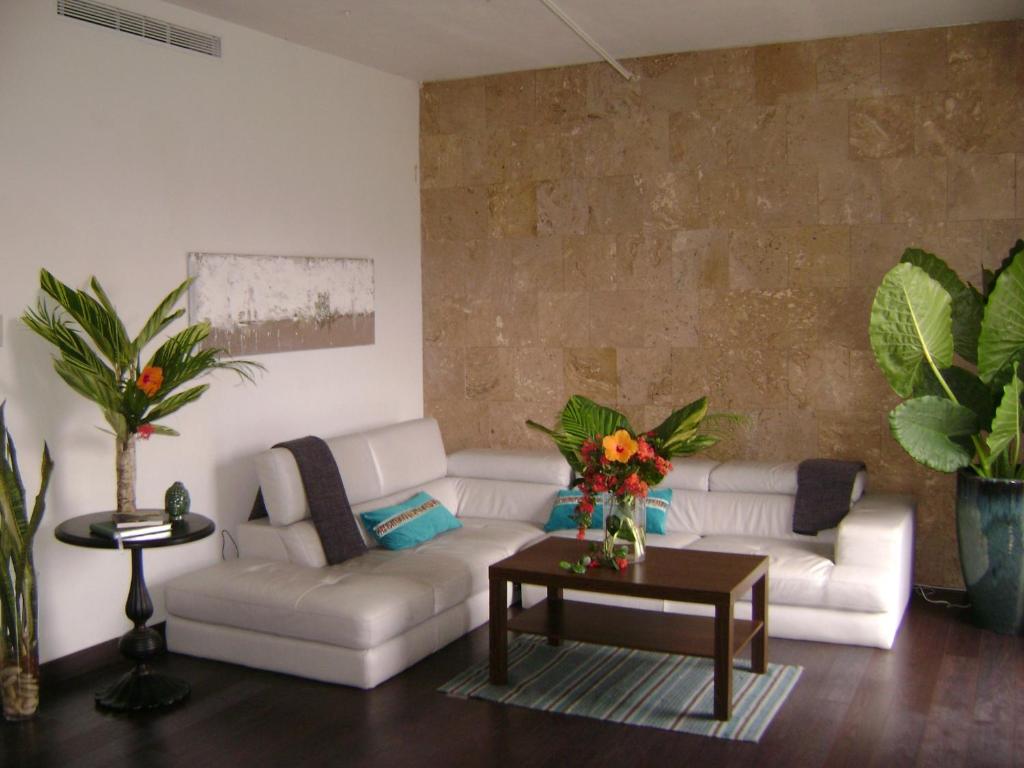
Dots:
pixel 659 690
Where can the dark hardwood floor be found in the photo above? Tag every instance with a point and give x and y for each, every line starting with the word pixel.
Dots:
pixel 946 695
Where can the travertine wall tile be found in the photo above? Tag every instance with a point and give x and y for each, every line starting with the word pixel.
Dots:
pixel 454 214
pixel 717 227
pixel 562 207
pixel 913 189
pixel 882 127
pixel 849 67
pixel 513 209
pixel 784 72
pixel 914 61
pixel 697 138
pixel 817 132
pixel 616 204
pixel 510 99
pixel 539 374
pixel 561 94
pixel 489 373
pixel 592 372
pixel 673 200
pixel 850 192
pixel 981 187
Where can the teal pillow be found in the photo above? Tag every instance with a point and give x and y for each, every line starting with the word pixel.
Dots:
pixel 560 518
pixel 658 502
pixel 409 523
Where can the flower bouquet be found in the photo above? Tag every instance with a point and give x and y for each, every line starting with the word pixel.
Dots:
pixel 619 464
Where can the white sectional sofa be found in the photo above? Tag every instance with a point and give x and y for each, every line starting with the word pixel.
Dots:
pixel 280 607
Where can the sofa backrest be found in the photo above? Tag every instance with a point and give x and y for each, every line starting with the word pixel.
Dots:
pixel 373 464
pixel 508 485
pixel 740 498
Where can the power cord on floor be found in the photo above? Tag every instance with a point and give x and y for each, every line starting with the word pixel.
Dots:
pixel 927 594
pixel 225 537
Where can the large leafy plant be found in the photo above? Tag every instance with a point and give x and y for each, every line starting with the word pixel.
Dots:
pixel 954 353
pixel 19 656
pixel 99 361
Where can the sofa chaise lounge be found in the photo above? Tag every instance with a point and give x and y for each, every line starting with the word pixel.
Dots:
pixel 279 606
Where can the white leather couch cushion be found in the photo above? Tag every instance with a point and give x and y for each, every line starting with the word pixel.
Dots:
pixel 689 474
pixel 545 467
pixel 407 455
pixel 506 499
pixel 335 605
pixel 281 484
pixel 767 477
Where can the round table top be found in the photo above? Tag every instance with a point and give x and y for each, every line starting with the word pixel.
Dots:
pixel 76 531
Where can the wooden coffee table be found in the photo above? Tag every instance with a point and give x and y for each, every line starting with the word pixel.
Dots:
pixel 713 578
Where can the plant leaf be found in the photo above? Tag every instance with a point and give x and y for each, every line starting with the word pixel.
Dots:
pixel 911 325
pixel 678 433
pixel 932 430
pixel 968 304
pixel 161 318
pixel 175 402
pixel 101 325
pixel 1006 422
pixel 970 391
pixel 1001 342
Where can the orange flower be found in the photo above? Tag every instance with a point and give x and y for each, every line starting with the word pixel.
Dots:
pixel 619 447
pixel 151 380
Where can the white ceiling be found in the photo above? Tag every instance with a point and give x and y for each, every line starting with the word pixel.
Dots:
pixel 445 39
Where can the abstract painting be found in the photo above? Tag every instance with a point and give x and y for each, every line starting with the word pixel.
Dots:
pixel 259 304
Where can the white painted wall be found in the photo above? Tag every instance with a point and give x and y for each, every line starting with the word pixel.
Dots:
pixel 118 156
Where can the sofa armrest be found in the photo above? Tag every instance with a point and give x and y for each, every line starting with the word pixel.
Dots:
pixel 878 532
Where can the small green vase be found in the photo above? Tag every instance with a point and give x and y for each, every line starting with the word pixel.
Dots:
pixel 177 502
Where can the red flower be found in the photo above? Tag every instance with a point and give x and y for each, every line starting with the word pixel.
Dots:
pixel 581 533
pixel 621 563
pixel 586 504
pixel 145 431
pixel 634 485
pixel 644 451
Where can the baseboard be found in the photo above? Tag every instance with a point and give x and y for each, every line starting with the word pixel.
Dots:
pixel 85 661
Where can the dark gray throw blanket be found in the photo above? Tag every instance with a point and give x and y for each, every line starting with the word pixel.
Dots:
pixel 328 502
pixel 823 488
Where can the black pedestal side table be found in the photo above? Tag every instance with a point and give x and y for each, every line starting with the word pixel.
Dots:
pixel 142 688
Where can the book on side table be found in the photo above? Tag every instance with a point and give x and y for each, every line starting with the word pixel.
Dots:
pixel 111 530
pixel 123 520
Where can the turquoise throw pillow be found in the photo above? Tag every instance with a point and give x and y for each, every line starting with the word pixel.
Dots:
pixel 561 513
pixel 658 502
pixel 409 523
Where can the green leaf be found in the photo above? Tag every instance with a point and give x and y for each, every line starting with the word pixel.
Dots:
pixel 932 430
pixel 101 325
pixel 968 304
pixel 910 327
pixel 970 391
pixel 1001 342
pixel 1006 423
pixel 678 433
pixel 175 402
pixel 581 419
pixel 161 318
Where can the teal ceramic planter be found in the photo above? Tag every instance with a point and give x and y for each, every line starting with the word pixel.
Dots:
pixel 989 515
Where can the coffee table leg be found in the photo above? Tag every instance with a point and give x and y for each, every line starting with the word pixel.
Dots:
pixel 759 612
pixel 499 632
pixel 554 609
pixel 723 660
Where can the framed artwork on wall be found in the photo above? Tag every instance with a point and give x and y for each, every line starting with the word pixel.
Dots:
pixel 262 304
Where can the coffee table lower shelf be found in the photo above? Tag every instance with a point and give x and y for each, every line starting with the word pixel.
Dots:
pixel 628 627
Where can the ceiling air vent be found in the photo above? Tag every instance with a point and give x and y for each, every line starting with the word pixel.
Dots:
pixel 136 24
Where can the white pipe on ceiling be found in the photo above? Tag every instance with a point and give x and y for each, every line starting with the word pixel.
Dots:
pixel 582 34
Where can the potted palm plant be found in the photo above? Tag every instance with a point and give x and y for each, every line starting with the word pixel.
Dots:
pixel 98 360
pixel 954 353
pixel 19 644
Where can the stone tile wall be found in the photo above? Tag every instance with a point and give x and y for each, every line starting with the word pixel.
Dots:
pixel 719 227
